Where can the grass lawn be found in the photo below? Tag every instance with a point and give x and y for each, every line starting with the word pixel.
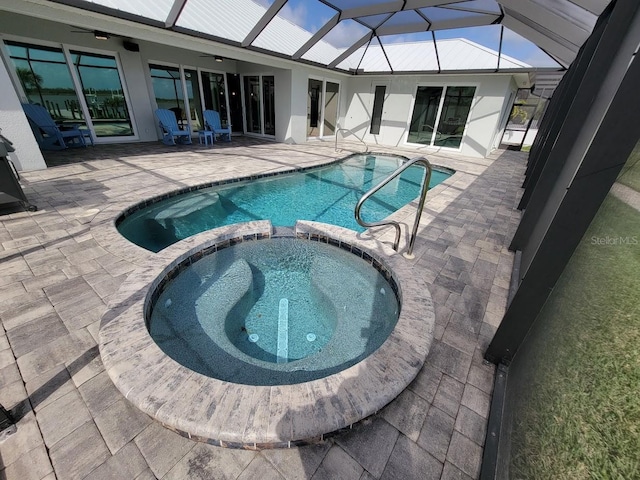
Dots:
pixel 577 410
pixel 630 174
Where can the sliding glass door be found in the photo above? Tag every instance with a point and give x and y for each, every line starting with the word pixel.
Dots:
pixel 252 104
pixel 314 107
pixel 214 93
pixel 440 115
pixel 268 94
pixel 259 104
pixel 188 92
pixel 194 103
pixel 331 93
pixel 322 107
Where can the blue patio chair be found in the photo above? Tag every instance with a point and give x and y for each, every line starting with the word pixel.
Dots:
pixel 171 132
pixel 49 134
pixel 212 122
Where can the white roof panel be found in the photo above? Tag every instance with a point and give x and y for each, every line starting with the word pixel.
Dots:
pixel 156 10
pixel 559 27
pixel 230 19
pixel 454 54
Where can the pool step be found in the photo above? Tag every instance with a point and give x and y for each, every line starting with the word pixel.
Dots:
pixel 283 232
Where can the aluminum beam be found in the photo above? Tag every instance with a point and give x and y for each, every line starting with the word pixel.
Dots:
pixel 271 12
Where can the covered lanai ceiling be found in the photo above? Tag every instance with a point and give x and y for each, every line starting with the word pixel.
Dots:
pixel 381 36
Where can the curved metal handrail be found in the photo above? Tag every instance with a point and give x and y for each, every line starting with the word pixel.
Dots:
pixel 335 147
pixel 423 195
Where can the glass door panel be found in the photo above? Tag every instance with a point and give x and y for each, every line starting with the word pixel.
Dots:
pixel 103 93
pixel 314 107
pixel 167 88
pixel 46 81
pixel 193 99
pixel 252 103
pixel 455 111
pixel 332 91
pixel 214 94
pixel 235 102
pixel 425 112
pixel 268 89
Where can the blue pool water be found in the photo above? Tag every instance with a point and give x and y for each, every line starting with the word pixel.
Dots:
pixel 325 194
pixel 273 312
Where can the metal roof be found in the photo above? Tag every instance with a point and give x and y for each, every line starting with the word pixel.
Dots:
pixel 373 35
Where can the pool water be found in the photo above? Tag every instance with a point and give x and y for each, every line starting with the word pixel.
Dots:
pixel 326 194
pixel 276 311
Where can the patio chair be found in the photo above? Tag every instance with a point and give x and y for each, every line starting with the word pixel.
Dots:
pixel 171 132
pixel 49 134
pixel 212 122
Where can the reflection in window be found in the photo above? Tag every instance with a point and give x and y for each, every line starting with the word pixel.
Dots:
pixel 424 116
pixel 167 89
pixel 330 108
pixel 452 115
pixel 376 115
pixel 314 107
pixel 214 94
pixel 453 118
pixel 193 97
pixel 252 103
pixel 103 93
pixel 268 88
pixel 46 80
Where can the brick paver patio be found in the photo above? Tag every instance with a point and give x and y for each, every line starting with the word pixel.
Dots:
pixel 59 270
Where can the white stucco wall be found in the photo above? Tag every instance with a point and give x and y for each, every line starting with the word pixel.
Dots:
pixel 15 127
pixel 398 108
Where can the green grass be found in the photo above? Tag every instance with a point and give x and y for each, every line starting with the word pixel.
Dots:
pixel 577 414
pixel 630 174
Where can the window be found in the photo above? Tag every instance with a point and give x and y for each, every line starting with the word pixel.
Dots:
pixel 103 94
pixel 322 107
pixel 450 111
pixel 167 88
pixel 376 115
pixel 93 99
pixel 46 80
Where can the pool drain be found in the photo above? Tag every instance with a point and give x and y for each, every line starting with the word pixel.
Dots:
pixel 311 337
pixel 253 338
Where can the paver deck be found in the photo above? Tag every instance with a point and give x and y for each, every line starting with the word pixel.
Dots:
pixel 62 264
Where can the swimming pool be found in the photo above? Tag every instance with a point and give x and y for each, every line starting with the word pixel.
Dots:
pixel 325 194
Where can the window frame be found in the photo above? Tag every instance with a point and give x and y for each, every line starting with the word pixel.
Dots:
pixel 77 85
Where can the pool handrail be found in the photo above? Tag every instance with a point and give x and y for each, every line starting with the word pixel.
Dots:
pixel 423 195
pixel 338 130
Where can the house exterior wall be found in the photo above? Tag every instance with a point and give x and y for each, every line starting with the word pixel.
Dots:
pixel 400 94
pixel 15 127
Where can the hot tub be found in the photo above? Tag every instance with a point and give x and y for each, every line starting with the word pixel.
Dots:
pixel 273 312
pixel 201 340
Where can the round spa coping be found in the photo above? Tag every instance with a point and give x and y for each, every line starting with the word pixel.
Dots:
pixel 246 416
